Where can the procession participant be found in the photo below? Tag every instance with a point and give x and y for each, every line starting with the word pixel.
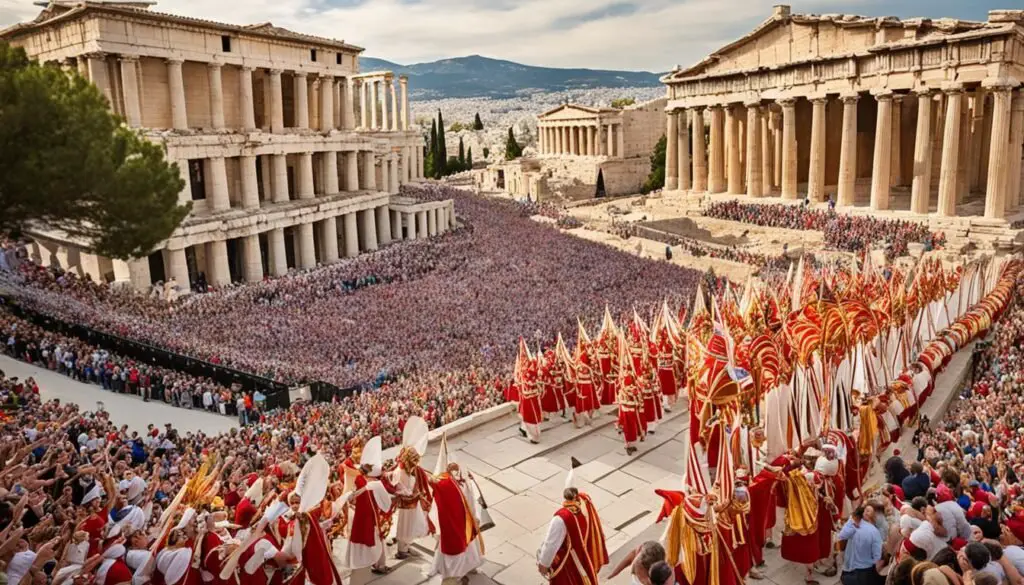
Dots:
pixel 369 514
pixel 248 508
pixel 628 397
pixel 587 378
pixel 549 383
pixel 833 494
pixel 98 514
pixel 309 544
pixel 413 498
pixel 113 570
pixel 806 515
pixel 530 412
pixel 213 547
pixel 349 468
pixel 174 561
pixel 573 550
pixel 460 549
pixel 261 555
pixel 139 557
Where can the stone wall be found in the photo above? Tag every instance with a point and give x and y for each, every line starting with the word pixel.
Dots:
pixel 644 125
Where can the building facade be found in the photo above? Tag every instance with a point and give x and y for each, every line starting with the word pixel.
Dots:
pixel 290 155
pixel 583 152
pixel 918 116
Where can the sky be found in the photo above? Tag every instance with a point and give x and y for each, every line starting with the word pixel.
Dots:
pixel 647 35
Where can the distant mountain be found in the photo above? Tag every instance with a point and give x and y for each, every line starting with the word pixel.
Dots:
pixel 477 76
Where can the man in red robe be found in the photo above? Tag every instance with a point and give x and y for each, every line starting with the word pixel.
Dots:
pixel 631 421
pixel 113 570
pixel 529 406
pixel 586 394
pixel 550 393
pixel 573 550
pixel 369 511
pixel 460 548
pixel 805 546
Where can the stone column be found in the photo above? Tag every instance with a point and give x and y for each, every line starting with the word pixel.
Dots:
pixel 950 152
pixel 278 257
pixel 246 103
pixel 130 89
pixel 974 138
pixel 329 168
pixel 216 96
pixel 218 184
pixel 403 83
pixel 410 226
pixel 329 240
pixel 734 169
pixel 374 92
pixel 671 152
pixel 369 172
pixel 362 87
pixel 999 150
pixel 385 176
pixel 816 172
pixel 217 271
pixel 421 225
pixel 279 169
pixel 301 100
pixel 385 109
pixel 896 149
pixel 575 135
pixel 396 223
pixel 776 123
pixel 921 188
pixel 304 187
pixel 351 235
pixel 252 267
pixel 177 268
pixel 683 149
pixel 882 160
pixel 369 229
pixel 560 143
pixel 789 148
pixel 395 126
pixel 250 185
pixel 393 173
pixel 700 164
pixel 326 103
pixel 407 164
pixel 611 140
pixel 716 150
pixel 846 192
pixel 1016 148
pixel 338 97
pixel 419 162
pixel 963 160
pixel 176 87
pixel 307 250
pixel 620 139
pixel 99 75
pixel 348 110
pixel 383 225
pixel 755 187
pixel 767 164
pixel 432 222
pixel 276 103
pixel 351 170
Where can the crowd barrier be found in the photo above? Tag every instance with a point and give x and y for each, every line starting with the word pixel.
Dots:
pixel 276 393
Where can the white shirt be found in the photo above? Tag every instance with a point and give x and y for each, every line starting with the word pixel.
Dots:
pixel 924 538
pixel 954 521
pixel 1015 554
pixel 552 542
pixel 19 566
pixel 995 569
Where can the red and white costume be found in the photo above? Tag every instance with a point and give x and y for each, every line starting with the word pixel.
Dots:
pixel 574 549
pixel 460 547
pixel 369 508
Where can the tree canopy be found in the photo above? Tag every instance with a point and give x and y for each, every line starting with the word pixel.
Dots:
pixel 477 124
pixel 656 179
pixel 512 148
pixel 69 164
pixel 623 102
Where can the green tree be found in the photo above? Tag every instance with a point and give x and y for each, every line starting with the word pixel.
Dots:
pixel 458 127
pixel 477 124
pixel 512 148
pixel 69 164
pixel 469 158
pixel 441 158
pixel 487 152
pixel 462 154
pixel 623 102
pixel 656 180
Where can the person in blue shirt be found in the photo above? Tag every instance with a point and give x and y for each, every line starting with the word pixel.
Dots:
pixel 861 544
pixel 917 483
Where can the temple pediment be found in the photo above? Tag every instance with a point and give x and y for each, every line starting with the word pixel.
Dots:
pixel 571 112
pixel 786 38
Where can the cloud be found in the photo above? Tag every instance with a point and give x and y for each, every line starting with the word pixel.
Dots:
pixel 650 35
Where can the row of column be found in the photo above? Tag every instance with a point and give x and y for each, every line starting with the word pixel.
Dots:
pixel 336 105
pixel 941 134
pixel 596 139
pixel 342 236
pixel 398 167
pixel 378 103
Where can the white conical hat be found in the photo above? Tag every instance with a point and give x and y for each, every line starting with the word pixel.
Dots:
pixel 442 457
pixel 373 454
pixel 570 479
pixel 415 434
pixel 312 483
pixel 186 518
pixel 255 492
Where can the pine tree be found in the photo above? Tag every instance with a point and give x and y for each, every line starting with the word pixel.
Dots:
pixel 441 158
pixel 430 163
pixel 512 148
pixel 477 124
pixel 487 152
pixel 656 180
pixel 462 153
pixel 469 159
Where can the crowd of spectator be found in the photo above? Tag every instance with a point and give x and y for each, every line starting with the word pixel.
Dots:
pixel 848 233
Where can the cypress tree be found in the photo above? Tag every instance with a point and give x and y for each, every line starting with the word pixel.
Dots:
pixel 441 159
pixel 477 124
pixel 469 158
pixel 462 153
pixel 512 148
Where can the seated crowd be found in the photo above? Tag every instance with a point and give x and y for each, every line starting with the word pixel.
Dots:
pixel 849 233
